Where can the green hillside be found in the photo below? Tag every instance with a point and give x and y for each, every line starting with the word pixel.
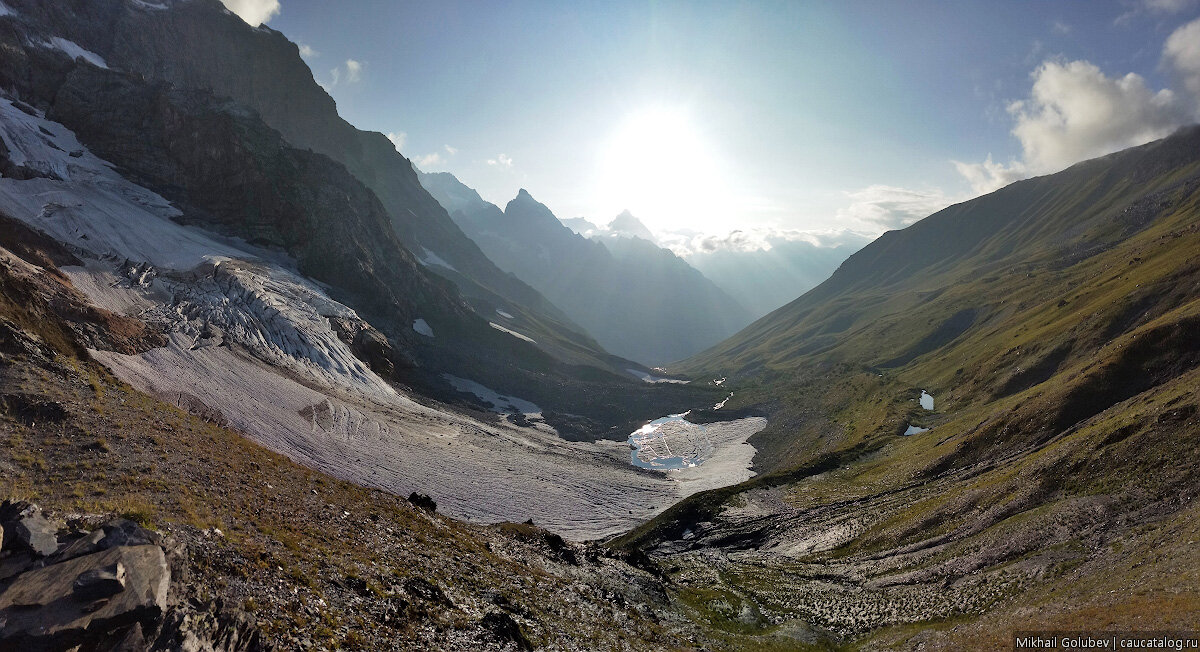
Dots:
pixel 1057 325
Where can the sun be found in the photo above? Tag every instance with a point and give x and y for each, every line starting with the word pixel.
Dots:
pixel 657 165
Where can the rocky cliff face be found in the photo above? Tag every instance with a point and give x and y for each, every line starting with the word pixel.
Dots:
pixel 228 172
pixel 199 45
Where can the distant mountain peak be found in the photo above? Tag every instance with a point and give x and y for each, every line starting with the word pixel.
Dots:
pixel 627 224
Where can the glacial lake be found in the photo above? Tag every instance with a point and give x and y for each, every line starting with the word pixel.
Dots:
pixel 669 443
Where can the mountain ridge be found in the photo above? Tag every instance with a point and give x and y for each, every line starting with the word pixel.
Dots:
pixel 643 301
pixel 200 44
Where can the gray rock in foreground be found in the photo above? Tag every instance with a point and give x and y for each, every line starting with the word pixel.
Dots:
pixel 99 583
pixel 22 527
pixel 36 534
pixel 39 610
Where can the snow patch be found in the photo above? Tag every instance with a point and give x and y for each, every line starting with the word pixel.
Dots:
pixel 75 51
pixel 648 378
pixel 720 405
pixel 503 314
pixel 141 4
pixel 422 327
pixel 499 402
pixel 926 400
pixel 915 430
pixel 429 258
pixel 511 332
pixel 6 11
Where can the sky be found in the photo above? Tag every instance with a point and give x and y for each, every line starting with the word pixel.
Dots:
pixel 765 118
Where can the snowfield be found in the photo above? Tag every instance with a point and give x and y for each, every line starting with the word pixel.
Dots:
pixel 251 345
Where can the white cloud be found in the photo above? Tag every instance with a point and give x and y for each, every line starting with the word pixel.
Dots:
pixel 888 207
pixel 307 52
pixel 1167 6
pixel 350 72
pixel 1182 51
pixel 502 161
pixel 353 71
pixel 990 176
pixel 254 12
pixel 398 139
pixel 1160 7
pixel 451 150
pixel 429 161
pixel 1059 27
pixel 1076 112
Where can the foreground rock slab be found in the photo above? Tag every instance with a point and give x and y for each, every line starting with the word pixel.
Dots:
pixel 40 610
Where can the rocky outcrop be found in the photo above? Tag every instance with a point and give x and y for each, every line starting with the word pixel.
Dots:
pixel 106 590
pixel 71 602
pixel 28 529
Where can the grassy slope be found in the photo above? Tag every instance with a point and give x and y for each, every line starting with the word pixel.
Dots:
pixel 1060 463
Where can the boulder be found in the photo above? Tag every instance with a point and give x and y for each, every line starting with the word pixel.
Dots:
pixel 99 583
pixel 40 610
pixel 117 532
pixel 35 534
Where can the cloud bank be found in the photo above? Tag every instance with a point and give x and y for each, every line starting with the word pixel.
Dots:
pixel 690 244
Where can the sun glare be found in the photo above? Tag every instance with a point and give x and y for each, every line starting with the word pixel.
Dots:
pixel 658 165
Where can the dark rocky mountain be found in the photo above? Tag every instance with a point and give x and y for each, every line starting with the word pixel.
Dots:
pixel 198 44
pixel 641 301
